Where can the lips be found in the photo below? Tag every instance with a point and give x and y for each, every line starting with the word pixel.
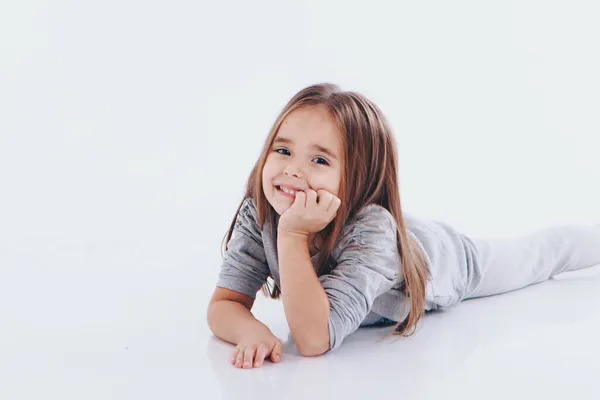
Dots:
pixel 291 196
pixel 290 186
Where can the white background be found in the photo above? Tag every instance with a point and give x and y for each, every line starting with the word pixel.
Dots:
pixel 128 130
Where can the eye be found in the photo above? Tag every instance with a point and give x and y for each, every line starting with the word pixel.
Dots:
pixel 325 162
pixel 321 158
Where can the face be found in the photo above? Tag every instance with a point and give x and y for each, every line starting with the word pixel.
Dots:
pixel 306 154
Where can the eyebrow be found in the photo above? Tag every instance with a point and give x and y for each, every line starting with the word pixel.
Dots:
pixel 281 139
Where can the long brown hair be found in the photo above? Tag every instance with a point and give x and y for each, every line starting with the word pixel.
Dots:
pixel 369 175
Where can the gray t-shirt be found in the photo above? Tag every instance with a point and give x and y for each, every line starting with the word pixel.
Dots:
pixel 367 275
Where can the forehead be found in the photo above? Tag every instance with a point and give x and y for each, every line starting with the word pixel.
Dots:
pixel 311 125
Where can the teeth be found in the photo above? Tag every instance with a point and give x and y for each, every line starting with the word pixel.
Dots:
pixel 288 191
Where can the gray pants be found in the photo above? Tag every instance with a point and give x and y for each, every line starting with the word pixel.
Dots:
pixel 513 263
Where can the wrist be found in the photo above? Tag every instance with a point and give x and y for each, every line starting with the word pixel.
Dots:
pixel 292 235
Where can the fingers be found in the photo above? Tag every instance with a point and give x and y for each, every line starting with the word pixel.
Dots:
pixel 329 202
pixel 242 357
pixel 254 356
pixel 311 197
pixel 321 198
pixel 249 356
pixel 277 352
pixel 335 204
pixel 238 359
pixel 325 198
pixel 261 353
pixel 300 199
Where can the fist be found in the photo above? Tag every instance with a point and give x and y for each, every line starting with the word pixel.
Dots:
pixel 310 212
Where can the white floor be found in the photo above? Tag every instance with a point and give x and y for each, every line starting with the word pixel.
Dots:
pixel 128 130
pixel 86 329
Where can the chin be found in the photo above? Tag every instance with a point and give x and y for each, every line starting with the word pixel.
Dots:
pixel 278 210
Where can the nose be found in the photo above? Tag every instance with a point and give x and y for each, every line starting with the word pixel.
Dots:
pixel 294 170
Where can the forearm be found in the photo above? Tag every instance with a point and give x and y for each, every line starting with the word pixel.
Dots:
pixel 305 302
pixel 229 320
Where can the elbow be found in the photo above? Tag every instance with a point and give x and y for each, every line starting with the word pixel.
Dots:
pixel 210 318
pixel 314 349
pixel 312 344
pixel 313 341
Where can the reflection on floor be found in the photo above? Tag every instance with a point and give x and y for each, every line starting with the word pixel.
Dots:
pixel 539 342
pixel 101 331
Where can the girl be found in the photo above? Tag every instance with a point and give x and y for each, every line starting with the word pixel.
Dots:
pixel 322 218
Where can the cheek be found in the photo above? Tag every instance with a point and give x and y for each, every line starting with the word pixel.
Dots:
pixel 268 167
pixel 336 185
pixel 268 174
pixel 329 183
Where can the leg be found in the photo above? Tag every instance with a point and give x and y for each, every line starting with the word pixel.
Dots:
pixel 510 264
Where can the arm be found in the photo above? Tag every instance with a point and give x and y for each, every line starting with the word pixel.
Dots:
pixel 230 319
pixel 368 265
pixel 305 302
pixel 229 315
pixel 243 271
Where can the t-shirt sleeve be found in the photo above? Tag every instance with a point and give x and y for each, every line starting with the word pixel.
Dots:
pixel 244 267
pixel 368 266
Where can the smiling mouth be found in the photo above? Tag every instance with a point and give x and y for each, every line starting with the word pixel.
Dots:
pixel 285 193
